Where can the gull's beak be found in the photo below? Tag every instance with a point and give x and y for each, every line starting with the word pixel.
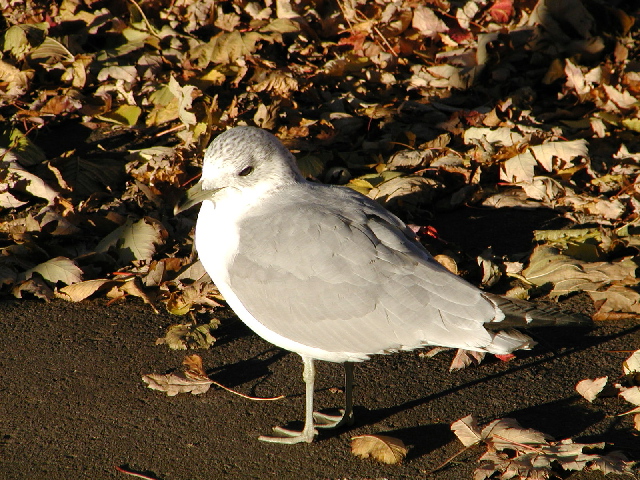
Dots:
pixel 192 197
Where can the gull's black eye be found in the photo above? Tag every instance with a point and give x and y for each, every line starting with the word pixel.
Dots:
pixel 246 171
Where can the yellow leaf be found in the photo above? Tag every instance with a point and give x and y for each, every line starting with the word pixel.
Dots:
pixel 632 124
pixel 125 115
pixel 380 448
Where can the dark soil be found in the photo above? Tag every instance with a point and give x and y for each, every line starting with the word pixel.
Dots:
pixel 73 405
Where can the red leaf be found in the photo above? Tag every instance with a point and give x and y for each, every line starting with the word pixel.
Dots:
pixel 507 357
pixel 502 10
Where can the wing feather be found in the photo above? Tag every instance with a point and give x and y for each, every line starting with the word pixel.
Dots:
pixel 339 273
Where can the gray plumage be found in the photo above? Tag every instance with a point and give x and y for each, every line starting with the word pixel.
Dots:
pixel 328 273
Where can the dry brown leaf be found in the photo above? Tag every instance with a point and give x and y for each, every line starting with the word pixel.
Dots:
pixel 380 448
pixel 576 79
pixel 133 287
pixel 632 364
pixel 547 265
pixel 503 136
pixel 447 262
pixel 59 269
pixel 200 293
pixel 590 389
pixel 467 431
pixel 35 286
pixel 196 383
pixel 82 290
pixel 505 432
pixel 464 358
pixel 516 452
pixel 632 395
pixel 173 384
pixel 182 336
pixel 409 190
pixel 193 367
pixel 427 22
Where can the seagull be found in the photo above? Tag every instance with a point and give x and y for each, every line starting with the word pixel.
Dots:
pixel 331 275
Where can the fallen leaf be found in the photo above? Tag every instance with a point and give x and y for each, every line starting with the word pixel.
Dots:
pixel 184 95
pixel 427 22
pixel 464 358
pixel 193 367
pixel 504 136
pixel 590 389
pixel 82 290
pixel 447 262
pixel 59 269
pixel 505 432
pixel 199 293
pixel 124 115
pixel 516 452
pixel 35 286
pixel 133 287
pixel 632 395
pixel 134 240
pixel 502 10
pixel 409 190
pixel 550 156
pixel 380 448
pixel 632 364
pixel 182 336
pixel 173 384
pixel 616 301
pixel 467 431
pixel 547 265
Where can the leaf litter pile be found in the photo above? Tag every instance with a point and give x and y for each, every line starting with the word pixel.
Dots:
pixel 422 105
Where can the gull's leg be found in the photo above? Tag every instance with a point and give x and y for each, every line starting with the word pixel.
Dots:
pixel 282 435
pixel 346 418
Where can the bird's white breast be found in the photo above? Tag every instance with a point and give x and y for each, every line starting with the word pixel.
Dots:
pixel 217 240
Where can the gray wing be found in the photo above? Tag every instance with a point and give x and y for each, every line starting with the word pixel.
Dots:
pixel 328 268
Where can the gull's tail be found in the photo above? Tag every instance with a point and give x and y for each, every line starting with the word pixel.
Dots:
pixel 520 313
pixel 512 312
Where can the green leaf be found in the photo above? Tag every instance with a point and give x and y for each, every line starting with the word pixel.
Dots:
pixel 26 152
pixel 632 124
pixel 124 115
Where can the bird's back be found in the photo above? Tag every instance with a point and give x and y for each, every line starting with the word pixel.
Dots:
pixel 329 269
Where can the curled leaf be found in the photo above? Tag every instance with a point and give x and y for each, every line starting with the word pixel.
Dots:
pixel 467 431
pixel 182 336
pixel 632 364
pixel 81 290
pixel 590 389
pixel 59 269
pixel 173 384
pixel 380 448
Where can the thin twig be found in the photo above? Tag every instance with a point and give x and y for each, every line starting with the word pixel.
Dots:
pixel 146 21
pixel 171 130
pixel 523 445
pixel 135 474
pixel 450 459
pixel 384 39
pixel 344 14
pixel 258 399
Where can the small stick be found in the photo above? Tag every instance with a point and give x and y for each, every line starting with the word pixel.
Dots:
pixel 135 474
pixel 258 399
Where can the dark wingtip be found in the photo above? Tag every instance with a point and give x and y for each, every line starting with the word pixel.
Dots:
pixel 520 313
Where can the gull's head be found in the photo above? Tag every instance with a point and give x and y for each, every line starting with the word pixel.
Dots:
pixel 249 160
